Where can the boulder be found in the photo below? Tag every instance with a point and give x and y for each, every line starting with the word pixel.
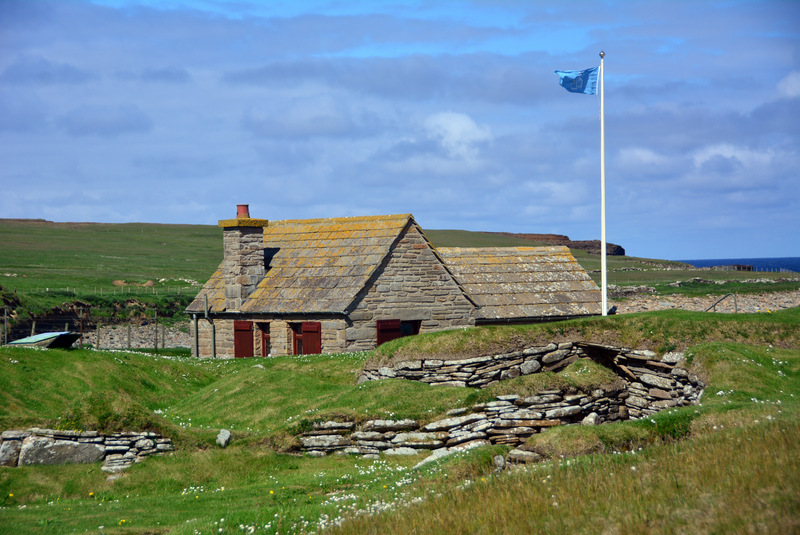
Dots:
pixel 529 367
pixel 522 456
pixel 223 438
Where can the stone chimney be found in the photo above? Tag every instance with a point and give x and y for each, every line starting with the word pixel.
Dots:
pixel 243 260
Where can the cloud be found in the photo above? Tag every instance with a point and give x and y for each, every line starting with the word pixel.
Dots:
pixel 166 75
pixel 319 115
pixel 458 134
pixel 789 86
pixel 742 156
pixel 105 121
pixel 21 111
pixel 36 70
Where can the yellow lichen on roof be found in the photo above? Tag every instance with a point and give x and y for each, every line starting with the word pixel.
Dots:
pixel 214 289
pixel 320 265
pixel 523 282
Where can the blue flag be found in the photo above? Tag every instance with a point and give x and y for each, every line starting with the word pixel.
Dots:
pixel 584 81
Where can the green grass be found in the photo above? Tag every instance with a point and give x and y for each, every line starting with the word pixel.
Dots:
pixel 44 265
pixel 722 466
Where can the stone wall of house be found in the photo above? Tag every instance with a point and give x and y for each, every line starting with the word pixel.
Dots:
pixel 412 285
pixel 117 451
pixel 280 336
pixel 243 262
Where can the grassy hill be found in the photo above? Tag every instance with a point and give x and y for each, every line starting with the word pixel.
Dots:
pixel 726 465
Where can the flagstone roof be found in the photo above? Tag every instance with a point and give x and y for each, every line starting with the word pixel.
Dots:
pixel 321 265
pixel 523 282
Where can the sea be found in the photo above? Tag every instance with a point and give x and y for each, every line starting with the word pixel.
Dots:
pixel 791 264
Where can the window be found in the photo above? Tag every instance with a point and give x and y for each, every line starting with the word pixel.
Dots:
pixel 307 338
pixel 242 339
pixel 391 329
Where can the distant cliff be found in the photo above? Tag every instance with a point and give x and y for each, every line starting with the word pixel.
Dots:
pixel 592 246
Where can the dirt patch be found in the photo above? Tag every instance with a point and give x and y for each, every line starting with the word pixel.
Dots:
pixel 119 282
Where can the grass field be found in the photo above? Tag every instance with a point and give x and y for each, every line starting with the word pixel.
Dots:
pixel 726 465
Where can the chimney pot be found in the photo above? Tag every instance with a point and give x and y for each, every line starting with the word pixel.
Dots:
pixel 242 210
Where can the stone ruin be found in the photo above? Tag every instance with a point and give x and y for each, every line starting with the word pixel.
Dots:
pixel 649 384
pixel 118 451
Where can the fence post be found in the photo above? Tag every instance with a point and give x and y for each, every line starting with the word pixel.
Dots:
pixel 129 335
pixel 155 317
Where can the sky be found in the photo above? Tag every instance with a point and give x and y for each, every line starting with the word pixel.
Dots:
pixel 176 111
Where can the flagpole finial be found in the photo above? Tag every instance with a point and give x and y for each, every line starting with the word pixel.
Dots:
pixel 602 54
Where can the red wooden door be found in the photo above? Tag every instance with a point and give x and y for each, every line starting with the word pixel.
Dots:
pixel 242 339
pixel 312 338
pixel 388 330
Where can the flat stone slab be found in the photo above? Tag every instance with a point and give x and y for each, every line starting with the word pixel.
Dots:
pixel 401 451
pixel 389 425
pixel 46 450
pixel 325 442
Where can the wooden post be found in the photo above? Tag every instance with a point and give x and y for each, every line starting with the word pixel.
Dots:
pixel 33 327
pixel 213 330
pixel 196 336
pixel 5 325
pixel 155 317
pixel 129 336
pixel 98 336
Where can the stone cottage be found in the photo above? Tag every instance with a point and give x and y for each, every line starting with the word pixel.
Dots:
pixel 349 284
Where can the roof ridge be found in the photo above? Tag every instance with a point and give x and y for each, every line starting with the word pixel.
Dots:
pixel 403 217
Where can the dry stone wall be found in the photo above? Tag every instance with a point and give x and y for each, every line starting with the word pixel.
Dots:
pixel 652 382
pixel 649 384
pixel 118 451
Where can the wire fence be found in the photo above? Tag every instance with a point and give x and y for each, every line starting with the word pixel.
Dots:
pixel 115 291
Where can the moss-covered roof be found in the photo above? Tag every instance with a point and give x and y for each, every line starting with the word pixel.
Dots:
pixel 314 265
pixel 523 282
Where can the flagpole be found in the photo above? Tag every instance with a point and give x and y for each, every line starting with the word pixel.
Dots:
pixel 603 264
